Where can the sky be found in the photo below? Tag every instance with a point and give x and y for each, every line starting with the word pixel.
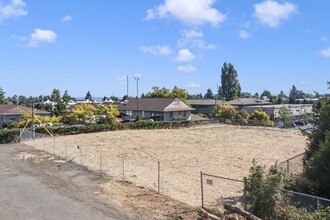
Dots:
pixel 93 46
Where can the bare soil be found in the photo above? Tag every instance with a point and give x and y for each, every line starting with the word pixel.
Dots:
pixel 133 155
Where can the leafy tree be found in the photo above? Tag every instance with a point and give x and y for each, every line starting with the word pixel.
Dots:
pixel 179 93
pixel 158 93
pixel 13 99
pixel 82 113
pixel 229 83
pixel 106 114
pixel 242 114
pixel 60 106
pixel 2 97
pixel 285 115
pixel 208 94
pixel 66 98
pixel 245 95
pixel 260 187
pixel 256 95
pixel 115 98
pixel 196 96
pixel 280 98
pixel 295 94
pixel 224 111
pixel 88 96
pixel 317 168
pixel 261 116
pixel 22 100
pixel 266 93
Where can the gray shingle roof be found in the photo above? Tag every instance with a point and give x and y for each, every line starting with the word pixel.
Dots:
pixel 248 101
pixel 18 110
pixel 204 102
pixel 156 105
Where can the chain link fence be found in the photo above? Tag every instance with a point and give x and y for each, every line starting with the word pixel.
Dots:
pixel 163 177
pixel 217 190
pixel 293 165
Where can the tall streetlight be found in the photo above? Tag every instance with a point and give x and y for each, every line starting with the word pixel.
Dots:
pixel 137 95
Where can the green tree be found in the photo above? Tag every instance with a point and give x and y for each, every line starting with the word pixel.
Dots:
pixel 88 96
pixel 208 94
pixel 280 98
pixel 266 93
pixel 229 82
pixel 66 98
pixel 224 111
pixel 317 169
pixel 158 93
pixel 179 93
pixel 285 115
pixel 262 117
pixel 82 113
pixel 2 97
pixel 260 187
pixel 106 113
pixel 60 106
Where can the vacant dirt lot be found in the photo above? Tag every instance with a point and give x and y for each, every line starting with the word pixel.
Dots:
pixel 216 149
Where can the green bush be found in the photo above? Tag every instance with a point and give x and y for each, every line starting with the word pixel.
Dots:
pixel 8 136
pixel 142 124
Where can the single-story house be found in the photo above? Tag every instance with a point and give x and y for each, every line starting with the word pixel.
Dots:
pixel 204 106
pixel 158 109
pixel 15 112
pixel 297 110
pixel 242 103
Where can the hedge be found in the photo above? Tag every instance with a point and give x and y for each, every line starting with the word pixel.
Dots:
pixel 119 126
pixel 8 136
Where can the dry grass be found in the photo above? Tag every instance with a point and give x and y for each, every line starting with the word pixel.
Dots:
pixel 216 149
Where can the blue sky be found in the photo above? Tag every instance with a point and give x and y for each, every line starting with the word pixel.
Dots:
pixel 93 45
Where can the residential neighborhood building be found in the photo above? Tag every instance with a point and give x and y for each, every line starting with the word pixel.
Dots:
pixel 204 106
pixel 242 103
pixel 158 109
pixel 297 110
pixel 15 112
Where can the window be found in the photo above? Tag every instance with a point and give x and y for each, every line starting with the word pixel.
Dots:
pixel 184 114
pixel 171 114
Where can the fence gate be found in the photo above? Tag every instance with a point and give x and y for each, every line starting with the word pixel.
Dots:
pixel 217 190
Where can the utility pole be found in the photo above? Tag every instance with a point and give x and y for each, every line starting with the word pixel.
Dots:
pixel 33 127
pixel 127 86
pixel 137 95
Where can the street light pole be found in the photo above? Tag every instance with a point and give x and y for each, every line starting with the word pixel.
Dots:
pixel 137 95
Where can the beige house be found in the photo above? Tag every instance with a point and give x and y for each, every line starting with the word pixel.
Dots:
pixel 158 109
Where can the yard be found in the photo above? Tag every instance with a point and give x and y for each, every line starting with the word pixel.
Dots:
pixel 223 150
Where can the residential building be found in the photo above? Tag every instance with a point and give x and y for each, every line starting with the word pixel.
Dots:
pixel 242 103
pixel 158 109
pixel 297 110
pixel 15 113
pixel 204 106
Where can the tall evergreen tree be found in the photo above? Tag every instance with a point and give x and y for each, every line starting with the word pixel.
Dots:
pixel 229 82
pixel 208 94
pixel 2 97
pixel 88 96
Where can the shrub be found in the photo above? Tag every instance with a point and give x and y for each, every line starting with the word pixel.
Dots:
pixel 8 136
pixel 224 111
pixel 261 117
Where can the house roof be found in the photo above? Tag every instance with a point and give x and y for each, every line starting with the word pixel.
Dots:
pixel 248 101
pixel 204 102
pixel 155 105
pixel 18 110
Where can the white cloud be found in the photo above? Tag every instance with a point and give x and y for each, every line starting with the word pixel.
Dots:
pixel 244 34
pixel 12 10
pixel 246 25
pixel 184 55
pixel 193 37
pixel 122 78
pixel 67 18
pixel 302 82
pixel 194 12
pixel 193 85
pixel 324 38
pixel 42 36
pixel 186 69
pixel 157 50
pixel 272 13
pixel 326 52
pixel 19 38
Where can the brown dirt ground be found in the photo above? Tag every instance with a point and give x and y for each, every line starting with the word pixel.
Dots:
pixel 223 150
